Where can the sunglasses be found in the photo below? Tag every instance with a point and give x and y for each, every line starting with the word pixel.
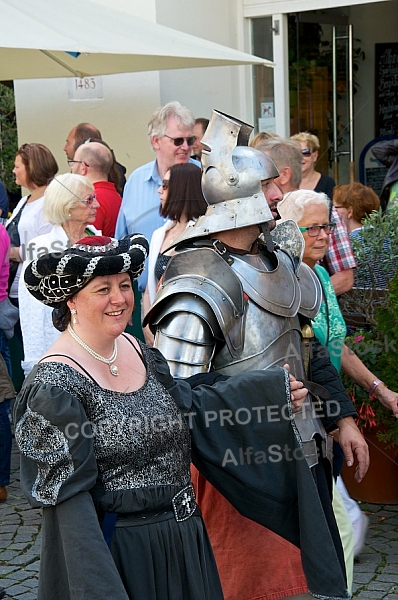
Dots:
pixel 315 230
pixel 165 184
pixel 89 200
pixel 180 140
pixel 306 152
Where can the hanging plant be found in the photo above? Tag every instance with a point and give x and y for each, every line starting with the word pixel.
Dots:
pixel 8 137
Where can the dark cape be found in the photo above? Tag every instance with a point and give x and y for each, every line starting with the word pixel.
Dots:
pixel 258 465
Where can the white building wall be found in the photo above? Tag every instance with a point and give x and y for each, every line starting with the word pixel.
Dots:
pixel 46 115
pixel 203 89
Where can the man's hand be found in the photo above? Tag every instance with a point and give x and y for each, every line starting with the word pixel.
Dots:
pixel 297 391
pixel 354 446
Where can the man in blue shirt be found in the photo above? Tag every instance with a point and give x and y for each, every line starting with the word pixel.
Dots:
pixel 170 133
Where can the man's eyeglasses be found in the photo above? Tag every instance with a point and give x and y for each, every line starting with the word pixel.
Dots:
pixel 82 162
pixel 315 230
pixel 180 140
pixel 88 201
pixel 165 184
pixel 306 152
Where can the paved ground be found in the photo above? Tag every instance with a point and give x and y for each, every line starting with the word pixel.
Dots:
pixel 19 542
pixel 375 574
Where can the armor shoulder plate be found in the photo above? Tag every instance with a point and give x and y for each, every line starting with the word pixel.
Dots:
pixel 311 292
pixel 273 286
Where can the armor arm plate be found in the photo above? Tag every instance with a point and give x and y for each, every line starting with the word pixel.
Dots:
pixel 187 340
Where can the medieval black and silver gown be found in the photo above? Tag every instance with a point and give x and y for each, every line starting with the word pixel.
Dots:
pixel 140 444
pixel 88 453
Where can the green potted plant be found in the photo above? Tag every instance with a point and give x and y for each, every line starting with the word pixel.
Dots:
pixel 374 349
pixel 377 423
pixel 378 249
pixel 376 344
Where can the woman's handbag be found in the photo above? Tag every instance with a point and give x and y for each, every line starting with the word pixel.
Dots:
pixel 13 234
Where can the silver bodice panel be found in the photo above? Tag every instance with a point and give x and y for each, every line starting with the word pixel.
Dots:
pixel 140 438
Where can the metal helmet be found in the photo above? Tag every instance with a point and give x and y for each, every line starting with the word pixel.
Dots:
pixel 231 180
pixel 232 170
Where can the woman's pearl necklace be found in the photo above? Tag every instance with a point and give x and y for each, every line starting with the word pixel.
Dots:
pixel 108 361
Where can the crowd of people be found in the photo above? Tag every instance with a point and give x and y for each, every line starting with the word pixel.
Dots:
pixel 239 250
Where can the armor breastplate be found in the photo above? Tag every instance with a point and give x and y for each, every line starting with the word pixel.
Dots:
pixel 270 340
pixel 272 335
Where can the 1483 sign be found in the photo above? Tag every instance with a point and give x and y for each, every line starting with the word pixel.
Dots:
pixel 85 88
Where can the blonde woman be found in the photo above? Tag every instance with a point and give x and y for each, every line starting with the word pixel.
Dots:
pixel 70 208
pixel 312 179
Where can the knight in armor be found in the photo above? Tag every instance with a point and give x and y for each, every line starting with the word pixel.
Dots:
pixel 233 300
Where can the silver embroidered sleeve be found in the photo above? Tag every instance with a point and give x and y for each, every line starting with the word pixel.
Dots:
pixel 39 440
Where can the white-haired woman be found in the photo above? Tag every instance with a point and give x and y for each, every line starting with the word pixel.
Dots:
pixel 70 206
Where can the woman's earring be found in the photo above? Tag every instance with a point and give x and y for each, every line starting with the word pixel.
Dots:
pixel 73 312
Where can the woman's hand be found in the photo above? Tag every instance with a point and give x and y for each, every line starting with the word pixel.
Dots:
pixel 354 446
pixel 297 391
pixel 387 397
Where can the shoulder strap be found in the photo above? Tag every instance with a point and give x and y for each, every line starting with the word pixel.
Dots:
pixel 73 360
pixel 16 218
pixel 138 352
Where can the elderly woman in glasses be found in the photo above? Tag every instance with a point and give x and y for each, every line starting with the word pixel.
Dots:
pixel 70 207
pixel 312 179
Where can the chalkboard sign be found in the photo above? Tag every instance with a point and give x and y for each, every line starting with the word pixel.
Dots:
pixel 386 102
pixel 374 178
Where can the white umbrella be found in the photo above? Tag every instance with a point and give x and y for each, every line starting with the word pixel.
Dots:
pixel 61 38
